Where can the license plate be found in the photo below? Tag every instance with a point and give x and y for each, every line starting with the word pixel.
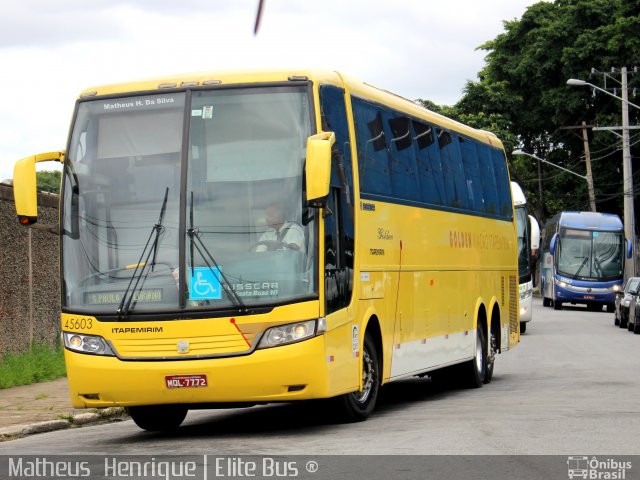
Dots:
pixel 186 381
pixel 589 297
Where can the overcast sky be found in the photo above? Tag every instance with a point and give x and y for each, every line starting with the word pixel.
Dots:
pixel 51 50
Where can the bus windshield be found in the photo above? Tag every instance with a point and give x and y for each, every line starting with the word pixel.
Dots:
pixel 524 247
pixel 586 254
pixel 176 202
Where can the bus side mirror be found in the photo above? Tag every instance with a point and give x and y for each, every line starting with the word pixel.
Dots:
pixel 554 241
pixel 24 185
pixel 629 247
pixel 318 167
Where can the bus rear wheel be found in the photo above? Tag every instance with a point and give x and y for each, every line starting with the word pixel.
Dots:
pixel 158 418
pixel 475 370
pixel 491 357
pixel 357 406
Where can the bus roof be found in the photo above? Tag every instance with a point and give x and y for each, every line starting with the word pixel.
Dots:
pixel 589 220
pixel 252 77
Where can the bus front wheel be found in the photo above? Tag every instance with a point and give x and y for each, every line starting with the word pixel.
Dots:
pixel 357 406
pixel 158 418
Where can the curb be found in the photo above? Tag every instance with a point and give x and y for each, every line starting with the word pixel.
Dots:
pixel 98 415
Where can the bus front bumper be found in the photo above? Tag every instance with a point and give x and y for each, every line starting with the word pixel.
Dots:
pixel 574 294
pixel 286 373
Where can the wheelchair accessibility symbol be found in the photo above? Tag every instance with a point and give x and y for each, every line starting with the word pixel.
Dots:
pixel 205 284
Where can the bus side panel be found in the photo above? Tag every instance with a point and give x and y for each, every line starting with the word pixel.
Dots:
pixel 449 262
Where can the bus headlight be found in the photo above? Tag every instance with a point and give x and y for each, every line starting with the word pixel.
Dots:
pixel 79 342
pixel 562 284
pixel 616 288
pixel 290 333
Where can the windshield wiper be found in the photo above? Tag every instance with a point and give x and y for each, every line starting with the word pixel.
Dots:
pixel 196 242
pixel 584 262
pixel 125 302
pixel 596 261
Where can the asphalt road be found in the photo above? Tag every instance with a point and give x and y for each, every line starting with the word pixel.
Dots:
pixel 571 387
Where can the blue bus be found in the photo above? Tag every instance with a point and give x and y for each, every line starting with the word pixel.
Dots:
pixel 583 255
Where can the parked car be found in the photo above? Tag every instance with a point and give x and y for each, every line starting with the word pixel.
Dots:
pixel 624 299
pixel 633 320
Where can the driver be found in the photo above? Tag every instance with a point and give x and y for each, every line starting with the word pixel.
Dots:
pixel 280 234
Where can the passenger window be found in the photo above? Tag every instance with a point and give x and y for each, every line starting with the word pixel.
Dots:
pixel 429 165
pixel 404 176
pixel 488 179
pixel 373 155
pixel 472 174
pixel 453 170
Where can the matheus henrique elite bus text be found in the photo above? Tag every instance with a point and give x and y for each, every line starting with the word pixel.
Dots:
pixel 275 236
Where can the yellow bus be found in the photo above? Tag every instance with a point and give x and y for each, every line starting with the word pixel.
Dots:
pixel 253 237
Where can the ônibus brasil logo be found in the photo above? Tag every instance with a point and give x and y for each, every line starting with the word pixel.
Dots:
pixel 597 469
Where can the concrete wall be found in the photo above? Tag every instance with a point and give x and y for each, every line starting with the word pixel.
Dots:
pixel 29 276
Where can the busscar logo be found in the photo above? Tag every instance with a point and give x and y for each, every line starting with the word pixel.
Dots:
pixel 597 469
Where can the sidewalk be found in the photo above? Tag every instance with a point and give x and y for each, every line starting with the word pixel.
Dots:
pixel 42 407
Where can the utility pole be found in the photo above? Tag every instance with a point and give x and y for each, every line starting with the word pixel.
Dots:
pixel 587 159
pixel 627 172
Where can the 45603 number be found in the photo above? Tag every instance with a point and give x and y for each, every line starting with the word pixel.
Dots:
pixel 78 324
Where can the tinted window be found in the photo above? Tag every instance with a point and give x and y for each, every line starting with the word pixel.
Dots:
pixel 410 160
pixel 453 170
pixel 470 162
pixel 373 153
pixel 429 165
pixel 404 172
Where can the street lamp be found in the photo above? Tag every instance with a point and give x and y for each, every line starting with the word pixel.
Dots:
pixel 520 152
pixel 627 172
pixel 592 199
pixel 576 82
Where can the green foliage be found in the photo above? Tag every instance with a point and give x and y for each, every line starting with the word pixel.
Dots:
pixel 42 363
pixel 48 181
pixel 522 96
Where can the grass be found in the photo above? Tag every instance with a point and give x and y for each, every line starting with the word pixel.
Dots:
pixel 42 363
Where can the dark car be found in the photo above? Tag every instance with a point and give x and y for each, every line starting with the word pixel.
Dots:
pixel 633 320
pixel 624 300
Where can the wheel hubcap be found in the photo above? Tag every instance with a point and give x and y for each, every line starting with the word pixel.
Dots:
pixel 368 377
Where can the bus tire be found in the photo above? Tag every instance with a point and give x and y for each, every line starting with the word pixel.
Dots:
pixel 557 305
pixel 357 406
pixel 491 357
pixel 158 418
pixel 474 371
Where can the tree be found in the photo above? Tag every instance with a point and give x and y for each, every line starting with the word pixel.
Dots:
pixel 521 94
pixel 48 181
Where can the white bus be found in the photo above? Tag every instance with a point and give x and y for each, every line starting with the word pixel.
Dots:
pixel 524 230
